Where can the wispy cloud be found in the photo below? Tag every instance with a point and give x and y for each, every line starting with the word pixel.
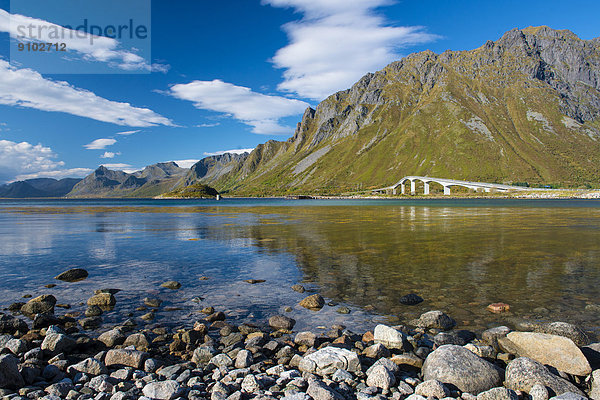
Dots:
pixel 90 47
pixel 109 154
pixel 235 151
pixel 207 125
pixel 27 88
pixel 337 42
pixel 127 133
pixel 116 166
pixel 261 112
pixel 20 161
pixel 100 144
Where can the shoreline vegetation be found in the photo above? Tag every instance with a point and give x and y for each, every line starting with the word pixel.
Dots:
pixel 76 356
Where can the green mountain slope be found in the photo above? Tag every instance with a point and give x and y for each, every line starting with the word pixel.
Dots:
pixel 525 108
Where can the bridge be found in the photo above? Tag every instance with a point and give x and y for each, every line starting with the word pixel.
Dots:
pixel 447 184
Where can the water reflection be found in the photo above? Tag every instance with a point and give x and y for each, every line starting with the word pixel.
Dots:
pixel 542 261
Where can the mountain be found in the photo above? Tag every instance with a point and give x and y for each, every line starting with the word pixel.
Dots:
pixel 524 108
pixel 40 187
pixel 151 181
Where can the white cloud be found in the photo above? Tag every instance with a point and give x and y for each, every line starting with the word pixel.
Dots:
pixel 109 154
pixel 19 161
pixel 235 151
pixel 127 133
pixel 185 163
pixel 116 166
pixel 258 110
pixel 208 125
pixel 27 88
pixel 100 144
pixel 90 47
pixel 336 43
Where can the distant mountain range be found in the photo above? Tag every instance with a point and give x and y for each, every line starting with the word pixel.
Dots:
pixel 41 187
pixel 150 182
pixel 525 108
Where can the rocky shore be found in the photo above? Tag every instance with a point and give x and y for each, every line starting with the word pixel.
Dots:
pixel 48 356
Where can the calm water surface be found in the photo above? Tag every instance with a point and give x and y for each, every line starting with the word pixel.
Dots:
pixel 541 257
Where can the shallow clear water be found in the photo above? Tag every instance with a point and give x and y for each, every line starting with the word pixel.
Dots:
pixel 541 257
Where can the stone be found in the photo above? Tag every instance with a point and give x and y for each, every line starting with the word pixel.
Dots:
pixel 16 346
pixel 343 310
pixel 320 391
pixel 93 311
pixel 101 384
pixel 433 388
pixel 498 393
pixel 60 389
pixel 112 338
pixel 592 353
pixel 523 373
pixel 435 320
pixel 490 336
pixel 377 351
pixel 327 360
pixel 386 362
pixel 164 390
pixel 458 366
pixel 58 343
pixel 90 322
pixel 278 322
pixel 243 359
pixel 459 338
pixel 407 359
pixel 313 302
pixel 250 384
pixel 203 354
pixel 73 275
pixel 557 351
pixel 137 340
pixel 539 392
pixel 254 281
pixel 221 360
pixel 152 302
pixel 9 373
pixel 567 330
pixel 126 358
pixel 390 337
pixel 307 339
pixel 11 325
pixel 90 366
pixel 411 299
pixel 381 377
pixel 40 305
pixel 481 351
pixel 498 308
pixel 298 288
pixel 595 387
pixel 173 285
pixel 570 396
pixel 218 316
pixel 102 300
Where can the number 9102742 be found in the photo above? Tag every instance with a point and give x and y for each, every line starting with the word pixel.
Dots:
pixel 42 47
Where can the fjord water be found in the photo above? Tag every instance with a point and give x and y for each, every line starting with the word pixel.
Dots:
pixel 541 256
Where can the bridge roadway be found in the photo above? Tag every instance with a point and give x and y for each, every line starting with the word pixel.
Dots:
pixel 447 184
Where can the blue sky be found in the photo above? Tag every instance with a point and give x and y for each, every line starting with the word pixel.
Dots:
pixel 227 75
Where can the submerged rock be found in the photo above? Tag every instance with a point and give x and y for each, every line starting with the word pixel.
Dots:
pixel 411 299
pixel 281 322
pixel 314 302
pixel 102 300
pixel 72 275
pixel 173 285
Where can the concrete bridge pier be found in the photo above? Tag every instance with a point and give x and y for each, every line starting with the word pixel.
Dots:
pixel 413 187
pixel 447 190
pixel 403 189
pixel 426 187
